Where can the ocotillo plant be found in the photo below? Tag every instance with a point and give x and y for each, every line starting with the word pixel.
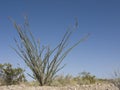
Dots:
pixel 42 60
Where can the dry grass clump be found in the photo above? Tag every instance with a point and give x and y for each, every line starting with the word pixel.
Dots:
pixel 62 80
pixel 84 78
pixel 116 80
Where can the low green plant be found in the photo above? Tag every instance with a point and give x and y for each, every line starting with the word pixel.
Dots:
pixel 85 78
pixel 10 75
pixel 88 77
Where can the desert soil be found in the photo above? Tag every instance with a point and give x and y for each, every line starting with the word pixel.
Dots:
pixel 97 86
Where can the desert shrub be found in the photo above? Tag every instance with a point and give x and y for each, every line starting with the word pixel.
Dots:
pixel 10 75
pixel 42 60
pixel 85 78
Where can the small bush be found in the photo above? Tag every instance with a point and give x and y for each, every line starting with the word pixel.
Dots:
pixel 10 75
pixel 85 78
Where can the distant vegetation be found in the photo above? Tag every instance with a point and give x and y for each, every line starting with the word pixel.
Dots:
pixel 84 78
pixel 12 76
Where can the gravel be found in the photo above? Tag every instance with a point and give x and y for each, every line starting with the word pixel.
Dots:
pixel 97 86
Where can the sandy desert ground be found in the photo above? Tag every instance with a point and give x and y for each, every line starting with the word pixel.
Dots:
pixel 97 86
